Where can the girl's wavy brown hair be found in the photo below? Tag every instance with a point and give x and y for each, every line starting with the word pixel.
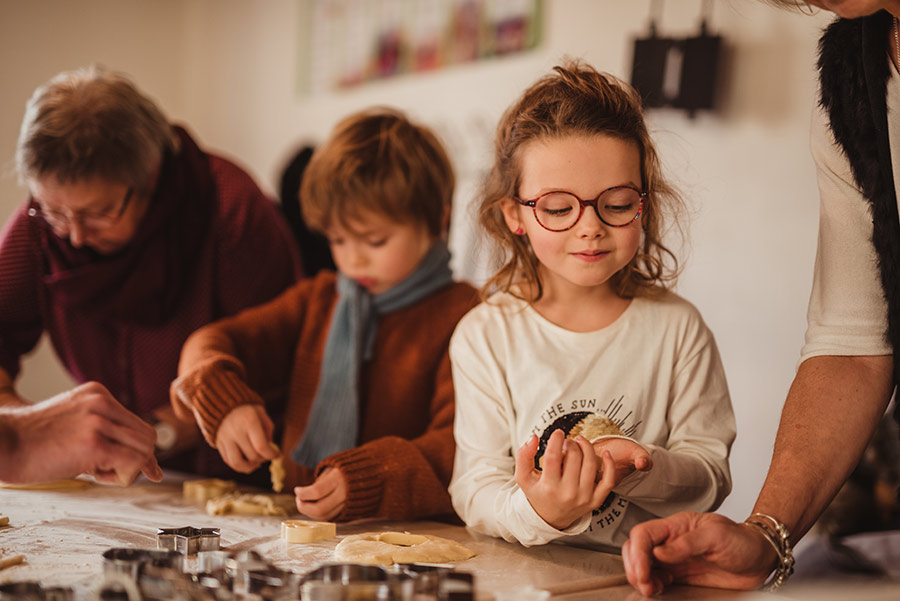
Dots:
pixel 577 100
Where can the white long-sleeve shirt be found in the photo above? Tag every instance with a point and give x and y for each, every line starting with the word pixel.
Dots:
pixel 655 371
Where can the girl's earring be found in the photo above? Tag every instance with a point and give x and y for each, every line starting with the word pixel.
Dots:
pixel 519 231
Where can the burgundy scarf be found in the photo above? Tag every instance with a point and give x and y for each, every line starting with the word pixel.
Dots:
pixel 142 283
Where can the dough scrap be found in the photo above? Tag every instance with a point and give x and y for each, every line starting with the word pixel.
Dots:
pixel 65 484
pixel 304 531
pixel 276 469
pixel 593 426
pixel 250 504
pixel 386 548
pixel 11 561
pixel 201 491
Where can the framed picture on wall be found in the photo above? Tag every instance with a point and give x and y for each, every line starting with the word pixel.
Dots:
pixel 346 43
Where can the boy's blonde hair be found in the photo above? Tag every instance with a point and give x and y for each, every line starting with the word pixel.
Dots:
pixel 377 160
pixel 577 100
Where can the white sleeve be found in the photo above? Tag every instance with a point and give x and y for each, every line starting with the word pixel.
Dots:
pixel 847 313
pixel 483 488
pixel 691 471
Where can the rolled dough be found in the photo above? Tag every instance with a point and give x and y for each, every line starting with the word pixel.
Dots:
pixel 201 491
pixel 386 548
pixel 250 504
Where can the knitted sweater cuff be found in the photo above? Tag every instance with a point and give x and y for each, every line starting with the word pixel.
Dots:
pixel 362 474
pixel 210 392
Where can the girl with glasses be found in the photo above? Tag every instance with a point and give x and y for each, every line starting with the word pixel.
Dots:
pixel 589 397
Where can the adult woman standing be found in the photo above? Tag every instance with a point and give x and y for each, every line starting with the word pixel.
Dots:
pixel 849 362
pixel 132 238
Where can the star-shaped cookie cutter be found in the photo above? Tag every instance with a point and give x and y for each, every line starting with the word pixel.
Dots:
pixel 188 540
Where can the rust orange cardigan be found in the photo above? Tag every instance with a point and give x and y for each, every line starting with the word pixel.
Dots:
pixel 272 355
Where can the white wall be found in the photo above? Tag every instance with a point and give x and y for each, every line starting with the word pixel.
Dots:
pixel 229 69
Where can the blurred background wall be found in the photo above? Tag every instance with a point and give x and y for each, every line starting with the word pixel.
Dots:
pixel 231 70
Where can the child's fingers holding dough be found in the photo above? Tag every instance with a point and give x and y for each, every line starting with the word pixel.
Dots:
pixel 525 474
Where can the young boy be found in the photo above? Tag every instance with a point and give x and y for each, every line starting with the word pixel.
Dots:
pixel 358 359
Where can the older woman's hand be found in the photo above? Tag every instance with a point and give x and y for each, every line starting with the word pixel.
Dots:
pixel 84 430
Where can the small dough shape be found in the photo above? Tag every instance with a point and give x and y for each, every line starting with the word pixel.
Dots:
pixel 276 469
pixel 250 504
pixel 11 561
pixel 386 548
pixel 593 426
pixel 65 484
pixel 305 531
pixel 201 491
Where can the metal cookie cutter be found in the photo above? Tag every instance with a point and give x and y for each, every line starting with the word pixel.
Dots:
pixel 436 581
pixel 33 591
pixel 349 581
pixel 132 562
pixel 188 540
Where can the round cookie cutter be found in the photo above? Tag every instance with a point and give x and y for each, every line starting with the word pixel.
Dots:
pixel 131 562
pixel 33 591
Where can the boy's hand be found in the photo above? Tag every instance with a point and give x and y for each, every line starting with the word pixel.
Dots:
pixel 568 486
pixel 244 438
pixel 323 499
pixel 627 455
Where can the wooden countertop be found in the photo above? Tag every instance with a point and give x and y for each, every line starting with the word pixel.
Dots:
pixel 62 535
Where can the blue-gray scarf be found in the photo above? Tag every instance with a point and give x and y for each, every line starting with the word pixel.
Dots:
pixel 334 418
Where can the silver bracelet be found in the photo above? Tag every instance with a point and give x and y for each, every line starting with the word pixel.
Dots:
pixel 778 536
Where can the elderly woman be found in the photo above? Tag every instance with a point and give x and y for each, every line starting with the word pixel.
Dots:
pixel 132 237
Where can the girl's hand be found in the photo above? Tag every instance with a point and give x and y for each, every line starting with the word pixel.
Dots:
pixel 244 438
pixel 323 499
pixel 627 455
pixel 568 487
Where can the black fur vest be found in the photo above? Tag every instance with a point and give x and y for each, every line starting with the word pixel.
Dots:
pixel 853 72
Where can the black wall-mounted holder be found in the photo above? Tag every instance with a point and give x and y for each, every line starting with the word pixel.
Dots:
pixel 677 72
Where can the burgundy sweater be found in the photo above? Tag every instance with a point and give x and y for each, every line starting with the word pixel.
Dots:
pixel 402 466
pixel 210 245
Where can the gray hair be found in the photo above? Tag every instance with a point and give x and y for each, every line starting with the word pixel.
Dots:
pixel 93 123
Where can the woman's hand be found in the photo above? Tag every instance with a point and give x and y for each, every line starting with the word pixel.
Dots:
pixel 323 499
pixel 84 430
pixel 703 549
pixel 244 438
pixel 567 487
